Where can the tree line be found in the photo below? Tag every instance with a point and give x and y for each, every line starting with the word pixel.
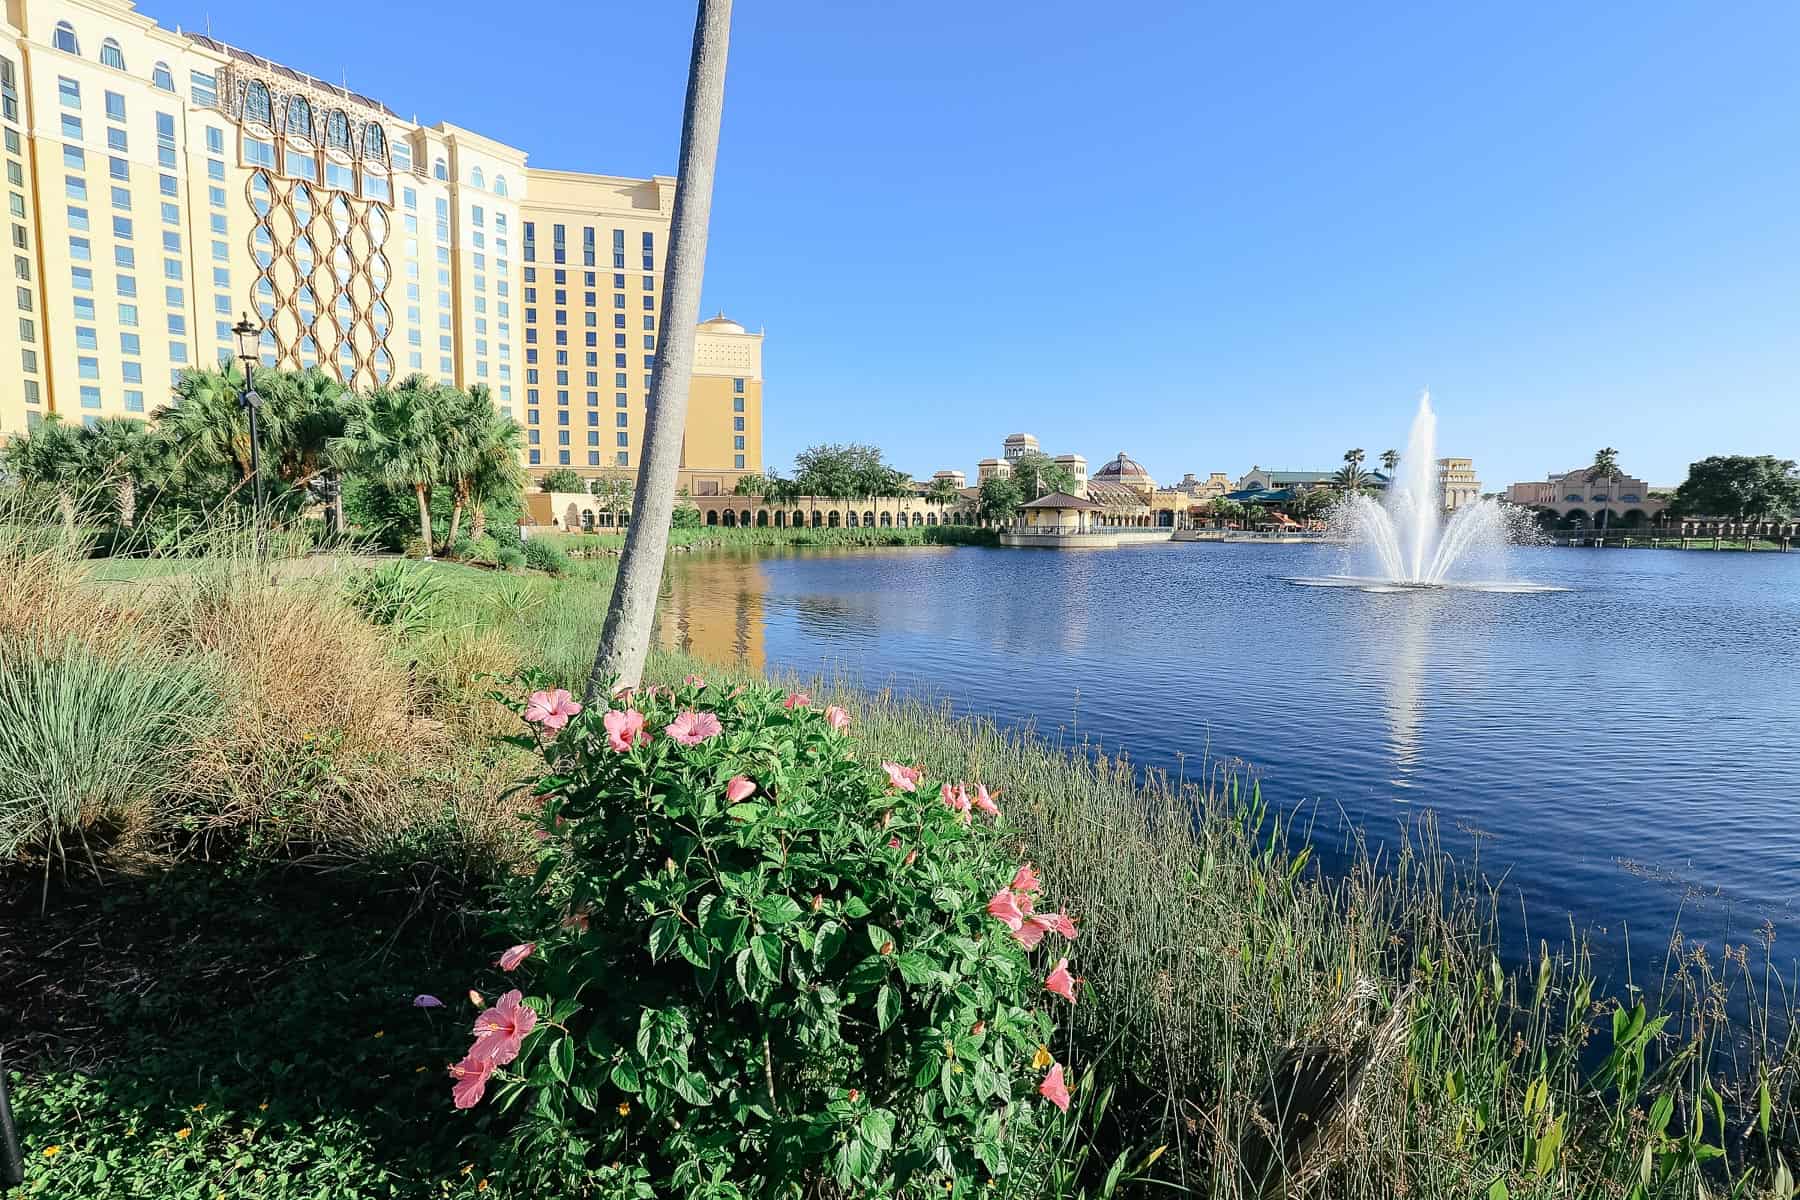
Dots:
pixel 395 451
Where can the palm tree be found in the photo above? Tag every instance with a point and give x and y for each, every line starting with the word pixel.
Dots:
pixel 625 640
pixel 396 435
pixel 1389 460
pixel 51 456
pixel 116 451
pixel 480 452
pixel 206 425
pixel 1606 466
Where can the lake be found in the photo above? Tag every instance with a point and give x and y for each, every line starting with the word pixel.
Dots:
pixel 1627 750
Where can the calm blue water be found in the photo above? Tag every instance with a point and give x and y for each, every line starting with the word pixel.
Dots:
pixel 1630 748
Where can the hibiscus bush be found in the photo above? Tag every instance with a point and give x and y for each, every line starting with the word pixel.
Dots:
pixel 751 966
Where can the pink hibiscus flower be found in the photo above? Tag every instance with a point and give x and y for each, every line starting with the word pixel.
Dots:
pixel 893 843
pixel 1054 1090
pixel 902 779
pixel 985 801
pixel 516 955
pixel 691 728
pixel 797 700
pixel 1061 983
pixel 1056 922
pixel 694 681
pixel 552 710
pixel 471 1075
pixel 739 787
pixel 1004 908
pixel 956 799
pixel 500 1030
pixel 1029 933
pixel 625 729
pixel 837 718
pixel 1026 880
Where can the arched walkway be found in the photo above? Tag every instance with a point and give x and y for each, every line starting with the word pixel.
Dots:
pixel 730 519
pixel 712 516
pixel 832 519
pixel 762 517
pixel 887 522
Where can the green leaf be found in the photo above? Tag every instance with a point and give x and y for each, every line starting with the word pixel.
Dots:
pixel 744 812
pixel 831 939
pixel 855 908
pixel 887 1006
pixel 562 1059
pixel 1497 1190
pixel 916 968
pixel 625 1077
pixel 662 937
pixel 777 910
pixel 765 951
pixel 877 1129
pixel 692 1087
pixel 878 937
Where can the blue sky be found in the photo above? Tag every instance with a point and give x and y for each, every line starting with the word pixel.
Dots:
pixel 1212 235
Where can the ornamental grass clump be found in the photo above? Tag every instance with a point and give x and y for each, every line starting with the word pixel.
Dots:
pixel 756 966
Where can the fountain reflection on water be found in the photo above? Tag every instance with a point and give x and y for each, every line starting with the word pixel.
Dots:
pixel 1403 541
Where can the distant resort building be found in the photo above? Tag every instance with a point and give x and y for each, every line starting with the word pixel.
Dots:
pixel 1572 500
pixel 1457 482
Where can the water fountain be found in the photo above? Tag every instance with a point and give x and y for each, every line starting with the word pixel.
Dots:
pixel 1404 541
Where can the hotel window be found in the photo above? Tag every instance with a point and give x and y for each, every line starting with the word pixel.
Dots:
pixel 203 89
pixel 737 404
pixel 9 97
pixel 402 154
pixel 68 92
pixel 622 420
pixel 618 256
pixel 85 337
pixel 587 249
pixel 131 372
pixel 374 144
pixel 477 179
pixel 78 218
pixel 621 399
pixel 256 104
pixel 258 153
pixel 339 176
pixel 557 249
pixel 215 196
pixel 80 249
pixel 87 368
pixel 128 315
pixel 161 78
pixel 134 400
pixel 90 397
pixel 64 38
pixel 737 461
pixel 439 170
pixel 649 250
pixel 111 55
pixel 622 439
pixel 81 279
pixel 337 131
pixel 737 424
pixel 120 169
pixel 71 127
pixel 116 140
pixel 624 459
pixel 74 158
pixel 115 107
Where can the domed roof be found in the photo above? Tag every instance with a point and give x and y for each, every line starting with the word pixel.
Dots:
pixel 1125 467
pixel 722 324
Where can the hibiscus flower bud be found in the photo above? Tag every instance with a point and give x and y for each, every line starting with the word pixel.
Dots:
pixel 887 948
pixel 980 1026
pixel 912 856
pixel 818 902
pixel 854 1096
pixel 475 999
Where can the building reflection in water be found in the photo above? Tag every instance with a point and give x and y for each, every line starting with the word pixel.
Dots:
pixel 711 607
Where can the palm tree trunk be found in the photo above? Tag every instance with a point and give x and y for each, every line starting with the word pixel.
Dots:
pixel 125 496
pixel 625 640
pixel 66 503
pixel 456 511
pixel 478 522
pixel 424 517
pixel 337 504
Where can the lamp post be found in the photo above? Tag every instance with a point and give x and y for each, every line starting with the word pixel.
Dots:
pixel 247 336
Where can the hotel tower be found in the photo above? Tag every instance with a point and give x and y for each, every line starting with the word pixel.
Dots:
pixel 160 183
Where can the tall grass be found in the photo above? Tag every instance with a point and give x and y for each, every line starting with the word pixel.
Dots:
pixel 90 737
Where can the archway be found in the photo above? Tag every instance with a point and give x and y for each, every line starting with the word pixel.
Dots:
pixel 869 519
pixel 887 521
pixel 744 518
pixel 850 521
pixel 1165 518
pixel 1633 519
pixel 730 519
pixel 712 517
pixel 572 517
pixel 832 519
pixel 587 520
pixel 819 518
pixel 780 519
pixel 1575 518
pixel 762 518
pixel 931 518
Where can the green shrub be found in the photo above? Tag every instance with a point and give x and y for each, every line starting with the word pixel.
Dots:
pixel 398 596
pixel 509 558
pixel 90 738
pixel 793 980
pixel 545 557
pixel 483 550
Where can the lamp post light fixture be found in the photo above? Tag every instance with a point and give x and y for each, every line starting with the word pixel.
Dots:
pixel 248 336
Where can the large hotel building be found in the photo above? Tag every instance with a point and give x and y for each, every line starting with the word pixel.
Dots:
pixel 160 183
